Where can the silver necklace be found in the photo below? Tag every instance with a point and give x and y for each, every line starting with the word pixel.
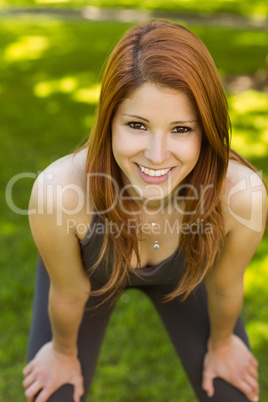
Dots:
pixel 156 245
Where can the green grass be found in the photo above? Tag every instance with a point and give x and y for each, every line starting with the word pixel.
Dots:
pixel 256 9
pixel 49 72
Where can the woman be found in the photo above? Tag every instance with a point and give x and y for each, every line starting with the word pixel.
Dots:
pixel 155 201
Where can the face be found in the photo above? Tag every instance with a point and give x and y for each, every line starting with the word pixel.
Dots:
pixel 156 141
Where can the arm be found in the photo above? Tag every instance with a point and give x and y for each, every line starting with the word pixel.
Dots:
pixel 225 284
pixel 57 363
pixel 227 356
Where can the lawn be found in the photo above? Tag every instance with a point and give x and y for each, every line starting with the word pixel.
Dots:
pixel 50 75
pixel 256 9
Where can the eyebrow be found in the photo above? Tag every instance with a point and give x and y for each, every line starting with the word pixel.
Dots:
pixel 173 122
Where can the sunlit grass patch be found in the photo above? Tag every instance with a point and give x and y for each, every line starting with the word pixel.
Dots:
pixel 260 331
pixel 255 274
pixel 68 85
pixel 27 47
pixel 248 111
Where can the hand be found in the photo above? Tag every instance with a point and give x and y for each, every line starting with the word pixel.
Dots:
pixel 48 371
pixel 233 363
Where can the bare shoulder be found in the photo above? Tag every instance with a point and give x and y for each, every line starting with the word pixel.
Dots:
pixel 244 199
pixel 60 192
pixel 67 170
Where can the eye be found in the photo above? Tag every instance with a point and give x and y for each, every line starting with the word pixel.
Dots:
pixel 136 125
pixel 181 130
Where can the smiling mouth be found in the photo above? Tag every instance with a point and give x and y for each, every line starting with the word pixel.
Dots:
pixel 154 173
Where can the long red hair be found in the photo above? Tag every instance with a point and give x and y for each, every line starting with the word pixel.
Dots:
pixel 171 56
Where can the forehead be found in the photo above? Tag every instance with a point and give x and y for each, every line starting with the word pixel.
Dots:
pixel 153 99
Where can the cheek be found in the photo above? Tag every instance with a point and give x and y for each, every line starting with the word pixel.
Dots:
pixel 195 147
pixel 189 152
pixel 120 147
pixel 196 150
pixel 117 142
pixel 124 146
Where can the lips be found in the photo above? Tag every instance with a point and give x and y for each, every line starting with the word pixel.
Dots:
pixel 152 176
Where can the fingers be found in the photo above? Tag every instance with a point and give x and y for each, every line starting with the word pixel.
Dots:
pixel 248 382
pixel 78 390
pixel 254 362
pixel 38 392
pixel 77 396
pixel 44 395
pixel 207 383
pixel 28 368
pixel 29 379
pixel 251 387
pixel 33 385
pixel 251 379
pixel 253 371
pixel 251 391
pixel 33 389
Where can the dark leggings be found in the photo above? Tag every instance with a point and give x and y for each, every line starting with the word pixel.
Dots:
pixel 187 324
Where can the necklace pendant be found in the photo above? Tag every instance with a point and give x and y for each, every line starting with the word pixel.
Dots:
pixel 156 245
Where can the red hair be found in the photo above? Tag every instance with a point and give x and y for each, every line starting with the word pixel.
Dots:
pixel 169 55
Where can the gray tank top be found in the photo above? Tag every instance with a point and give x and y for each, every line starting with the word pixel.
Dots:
pixel 167 272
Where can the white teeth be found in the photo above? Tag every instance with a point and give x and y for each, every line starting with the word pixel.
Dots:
pixel 153 173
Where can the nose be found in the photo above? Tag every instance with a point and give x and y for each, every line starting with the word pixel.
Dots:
pixel 156 151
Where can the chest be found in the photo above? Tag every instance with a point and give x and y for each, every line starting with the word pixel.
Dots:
pixel 157 244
